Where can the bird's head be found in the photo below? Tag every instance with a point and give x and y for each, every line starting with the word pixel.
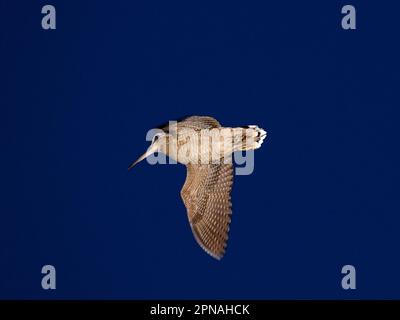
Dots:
pixel 158 144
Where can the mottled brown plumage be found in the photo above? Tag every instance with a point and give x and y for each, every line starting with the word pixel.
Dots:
pixel 207 197
pixel 207 189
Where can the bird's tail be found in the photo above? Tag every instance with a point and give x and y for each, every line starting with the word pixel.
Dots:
pixel 248 138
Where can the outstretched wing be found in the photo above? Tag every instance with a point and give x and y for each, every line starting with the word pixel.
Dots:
pixel 206 195
pixel 199 122
pixel 192 122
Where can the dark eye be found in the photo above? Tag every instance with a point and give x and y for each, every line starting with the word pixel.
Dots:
pixel 155 138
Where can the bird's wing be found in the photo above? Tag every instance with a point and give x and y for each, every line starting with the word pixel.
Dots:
pixel 206 195
pixel 192 122
pixel 199 122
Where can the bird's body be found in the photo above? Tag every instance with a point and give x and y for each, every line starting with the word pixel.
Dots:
pixel 205 148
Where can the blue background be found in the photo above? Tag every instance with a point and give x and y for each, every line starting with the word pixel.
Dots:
pixel 76 104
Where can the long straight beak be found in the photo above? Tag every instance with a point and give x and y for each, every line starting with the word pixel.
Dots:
pixel 149 151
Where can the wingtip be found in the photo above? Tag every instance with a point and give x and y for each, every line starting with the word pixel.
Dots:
pixel 215 256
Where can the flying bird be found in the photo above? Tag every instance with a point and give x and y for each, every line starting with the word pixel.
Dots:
pixel 206 148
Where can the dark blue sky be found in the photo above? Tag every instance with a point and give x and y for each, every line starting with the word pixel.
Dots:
pixel 76 104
